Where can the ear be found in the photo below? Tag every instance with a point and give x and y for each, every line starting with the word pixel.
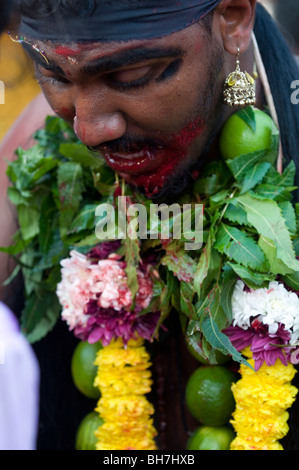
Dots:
pixel 236 21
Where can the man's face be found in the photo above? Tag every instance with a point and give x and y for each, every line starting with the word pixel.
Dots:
pixel 149 107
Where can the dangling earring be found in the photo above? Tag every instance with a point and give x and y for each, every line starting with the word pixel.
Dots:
pixel 239 89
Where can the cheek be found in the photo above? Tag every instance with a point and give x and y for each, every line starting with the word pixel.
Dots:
pixel 60 104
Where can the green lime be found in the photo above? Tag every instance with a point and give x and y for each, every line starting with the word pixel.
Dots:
pixel 208 395
pixel 238 137
pixel 83 369
pixel 211 438
pixel 85 437
pixel 220 358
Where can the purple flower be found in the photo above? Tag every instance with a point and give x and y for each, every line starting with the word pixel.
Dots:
pixel 103 250
pixel 105 324
pixel 265 347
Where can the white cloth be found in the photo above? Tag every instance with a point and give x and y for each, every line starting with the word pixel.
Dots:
pixel 19 386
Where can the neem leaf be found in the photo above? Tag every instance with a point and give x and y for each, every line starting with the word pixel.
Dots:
pixel 253 279
pixel 276 265
pixel 220 341
pixel 70 187
pixel 240 166
pixel 79 153
pixel 179 262
pixel 292 280
pixel 254 176
pixel 40 315
pixel 237 245
pixel 132 259
pixel 266 217
pixel 29 221
pixel 85 220
pixel 248 116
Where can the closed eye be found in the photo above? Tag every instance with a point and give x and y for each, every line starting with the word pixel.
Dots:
pixel 142 76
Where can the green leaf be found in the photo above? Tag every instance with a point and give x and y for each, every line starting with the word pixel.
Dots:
pixel 203 266
pixel 240 166
pixel 70 187
pixel 132 259
pixel 229 279
pixel 253 279
pixel 292 280
pixel 286 179
pixel 235 213
pixel 47 224
pixel 221 342
pixel 266 217
pixel 79 153
pixel 248 116
pixel 179 262
pixel 40 315
pixel 29 221
pixel 237 245
pixel 289 215
pixel 254 176
pixel 186 300
pixel 276 265
pixel 85 220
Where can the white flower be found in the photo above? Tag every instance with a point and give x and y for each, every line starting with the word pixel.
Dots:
pixel 272 305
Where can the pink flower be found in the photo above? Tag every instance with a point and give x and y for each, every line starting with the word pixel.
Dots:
pixel 96 300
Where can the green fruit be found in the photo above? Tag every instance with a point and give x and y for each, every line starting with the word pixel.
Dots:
pixel 208 395
pixel 85 437
pixel 83 369
pixel 211 438
pixel 220 358
pixel 238 138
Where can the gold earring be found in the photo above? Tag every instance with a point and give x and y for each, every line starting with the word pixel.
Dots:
pixel 239 89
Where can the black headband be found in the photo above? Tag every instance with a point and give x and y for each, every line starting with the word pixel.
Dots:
pixel 114 20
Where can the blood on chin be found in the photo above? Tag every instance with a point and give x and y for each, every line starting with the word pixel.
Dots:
pixel 151 183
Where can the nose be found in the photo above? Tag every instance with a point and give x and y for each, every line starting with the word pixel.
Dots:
pixel 98 123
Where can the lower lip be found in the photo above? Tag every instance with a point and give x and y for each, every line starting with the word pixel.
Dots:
pixel 135 164
pixel 150 169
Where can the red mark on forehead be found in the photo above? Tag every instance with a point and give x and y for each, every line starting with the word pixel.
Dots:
pixel 67 51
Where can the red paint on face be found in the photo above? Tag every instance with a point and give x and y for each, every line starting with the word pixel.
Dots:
pixel 151 167
pixel 66 51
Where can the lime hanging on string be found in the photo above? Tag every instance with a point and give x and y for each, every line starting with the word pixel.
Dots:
pixel 208 395
pixel 211 438
pixel 246 131
pixel 85 437
pixel 84 370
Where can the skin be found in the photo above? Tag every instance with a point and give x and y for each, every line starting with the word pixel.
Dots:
pixel 150 107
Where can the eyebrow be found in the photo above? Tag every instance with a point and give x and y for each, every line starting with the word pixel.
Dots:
pixel 130 57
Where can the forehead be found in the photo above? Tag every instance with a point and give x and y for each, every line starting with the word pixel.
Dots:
pixel 114 54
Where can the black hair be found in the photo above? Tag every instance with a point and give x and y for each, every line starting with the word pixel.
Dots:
pixel 5 9
pixel 282 71
pixel 287 14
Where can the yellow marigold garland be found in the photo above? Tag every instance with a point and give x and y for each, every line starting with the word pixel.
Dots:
pixel 123 379
pixel 262 398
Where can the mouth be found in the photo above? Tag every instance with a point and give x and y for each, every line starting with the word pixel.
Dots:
pixel 135 163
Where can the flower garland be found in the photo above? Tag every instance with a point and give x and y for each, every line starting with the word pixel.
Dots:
pixel 121 291
pixel 262 398
pixel 123 379
pixel 265 323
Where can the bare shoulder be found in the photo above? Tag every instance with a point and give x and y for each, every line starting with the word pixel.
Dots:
pixel 19 135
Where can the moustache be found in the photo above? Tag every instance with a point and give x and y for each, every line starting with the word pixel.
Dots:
pixel 128 145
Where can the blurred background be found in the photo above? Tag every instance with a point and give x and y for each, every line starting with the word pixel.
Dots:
pixel 17 73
